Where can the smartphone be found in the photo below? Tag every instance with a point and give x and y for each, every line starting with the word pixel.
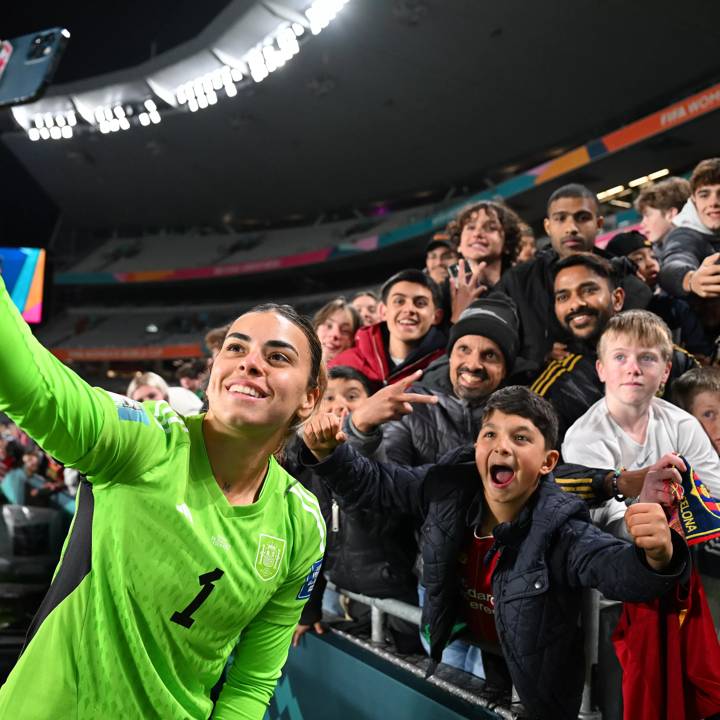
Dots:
pixel 27 64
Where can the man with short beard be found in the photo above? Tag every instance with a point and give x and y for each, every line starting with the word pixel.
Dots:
pixel 401 426
pixel 573 222
pixel 586 297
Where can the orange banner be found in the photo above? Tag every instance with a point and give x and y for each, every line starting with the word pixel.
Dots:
pixel 671 116
pixel 143 352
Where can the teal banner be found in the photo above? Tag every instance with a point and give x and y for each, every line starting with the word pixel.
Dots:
pixel 329 678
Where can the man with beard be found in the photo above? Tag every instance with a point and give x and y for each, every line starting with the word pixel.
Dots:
pixel 586 297
pixel 572 223
pixel 444 411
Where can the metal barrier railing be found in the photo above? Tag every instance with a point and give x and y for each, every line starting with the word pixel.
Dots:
pixel 593 603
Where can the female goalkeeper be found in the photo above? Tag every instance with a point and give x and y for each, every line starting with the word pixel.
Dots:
pixel 188 540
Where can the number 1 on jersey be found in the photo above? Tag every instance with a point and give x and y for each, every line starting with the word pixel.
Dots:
pixel 184 617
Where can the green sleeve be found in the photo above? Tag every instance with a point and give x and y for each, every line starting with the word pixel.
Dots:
pixel 264 644
pixel 259 658
pixel 83 427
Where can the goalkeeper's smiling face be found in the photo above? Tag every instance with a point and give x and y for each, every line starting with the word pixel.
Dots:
pixel 259 380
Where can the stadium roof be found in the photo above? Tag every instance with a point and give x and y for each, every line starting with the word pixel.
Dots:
pixel 395 99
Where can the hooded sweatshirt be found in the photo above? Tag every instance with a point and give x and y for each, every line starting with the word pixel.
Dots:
pixel 684 249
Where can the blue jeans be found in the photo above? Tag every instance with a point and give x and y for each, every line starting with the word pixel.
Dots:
pixel 458 654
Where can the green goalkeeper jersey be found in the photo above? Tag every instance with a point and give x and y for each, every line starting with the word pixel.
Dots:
pixel 160 577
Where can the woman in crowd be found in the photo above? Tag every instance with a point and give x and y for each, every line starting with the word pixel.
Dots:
pixel 336 323
pixel 188 535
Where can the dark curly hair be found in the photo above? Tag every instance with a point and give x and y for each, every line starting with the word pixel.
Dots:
pixel 508 219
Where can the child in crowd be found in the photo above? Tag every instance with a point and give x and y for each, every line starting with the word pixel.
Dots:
pixel 367 303
pixel 365 553
pixel 631 427
pixel 501 542
pixel 698 392
pixel 336 323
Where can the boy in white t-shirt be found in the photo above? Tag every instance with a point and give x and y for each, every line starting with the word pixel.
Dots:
pixel 632 428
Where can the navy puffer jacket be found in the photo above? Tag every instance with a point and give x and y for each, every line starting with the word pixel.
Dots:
pixel 547 555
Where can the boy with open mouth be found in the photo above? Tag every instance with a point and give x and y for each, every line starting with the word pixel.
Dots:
pixel 505 550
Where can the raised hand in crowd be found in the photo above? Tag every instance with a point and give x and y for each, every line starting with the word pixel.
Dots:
pixel 390 403
pixel 558 352
pixel 649 529
pixel 705 281
pixel 660 478
pixel 322 433
pixel 466 287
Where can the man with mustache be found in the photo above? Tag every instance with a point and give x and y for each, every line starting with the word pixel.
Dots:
pixel 573 222
pixel 444 410
pixel 586 297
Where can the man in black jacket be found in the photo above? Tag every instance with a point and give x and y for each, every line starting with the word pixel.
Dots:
pixel 572 223
pixel 402 427
pixel 500 540
pixel 586 297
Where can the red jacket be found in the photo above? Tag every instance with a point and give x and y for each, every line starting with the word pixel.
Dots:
pixel 370 354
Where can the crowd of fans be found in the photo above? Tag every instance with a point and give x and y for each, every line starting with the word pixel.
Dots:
pixel 621 342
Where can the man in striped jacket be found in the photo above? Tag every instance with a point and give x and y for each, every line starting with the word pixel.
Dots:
pixel 586 297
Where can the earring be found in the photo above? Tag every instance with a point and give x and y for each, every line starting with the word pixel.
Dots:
pixel 661 390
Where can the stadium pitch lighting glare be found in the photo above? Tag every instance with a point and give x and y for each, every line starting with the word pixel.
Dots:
pixel 321 13
pixel 49 126
pixel 658 174
pixel 605 194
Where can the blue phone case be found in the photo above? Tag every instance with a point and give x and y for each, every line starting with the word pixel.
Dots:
pixel 31 65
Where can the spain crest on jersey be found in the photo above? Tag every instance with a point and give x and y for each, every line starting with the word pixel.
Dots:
pixel 269 556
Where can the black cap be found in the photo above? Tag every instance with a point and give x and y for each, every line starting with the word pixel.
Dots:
pixel 624 243
pixel 439 239
pixel 495 318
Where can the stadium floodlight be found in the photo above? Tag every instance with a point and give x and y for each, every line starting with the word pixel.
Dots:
pixel 322 12
pixel 256 65
pixel 659 173
pixel 49 120
pixel 34 134
pixel 67 132
pixel 639 181
pixel 144 119
pixel 119 111
pixel 155 117
pixel 605 194
pixel 44 133
pixel 38 121
pixel 193 105
pixel 236 74
pixel 60 120
pixel 124 123
pixel 71 118
pixel 212 97
pixel 55 133
pixel 150 105
pixel 298 29
pixel 231 90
